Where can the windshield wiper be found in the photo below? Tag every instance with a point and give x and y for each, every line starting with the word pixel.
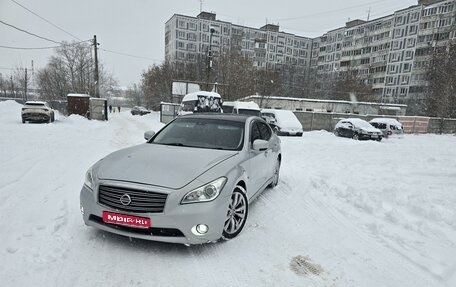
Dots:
pixel 173 144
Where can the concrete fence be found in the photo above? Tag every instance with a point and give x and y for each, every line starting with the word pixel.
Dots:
pixel 412 124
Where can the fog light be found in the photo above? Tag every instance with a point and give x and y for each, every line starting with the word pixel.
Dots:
pixel 200 229
pixel 82 210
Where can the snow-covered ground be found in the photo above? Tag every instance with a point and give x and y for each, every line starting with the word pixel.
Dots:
pixel 345 213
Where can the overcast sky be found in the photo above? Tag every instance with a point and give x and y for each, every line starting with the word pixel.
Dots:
pixel 137 27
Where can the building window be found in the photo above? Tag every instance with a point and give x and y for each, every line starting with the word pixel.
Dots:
pixel 182 24
pixel 192 26
pixel 407 67
pixel 180 45
pixel 409 55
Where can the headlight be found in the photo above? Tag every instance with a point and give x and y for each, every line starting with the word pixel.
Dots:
pixel 206 192
pixel 88 181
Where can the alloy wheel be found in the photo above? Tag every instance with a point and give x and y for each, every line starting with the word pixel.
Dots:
pixel 236 215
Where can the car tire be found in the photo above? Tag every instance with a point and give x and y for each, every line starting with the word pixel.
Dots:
pixel 236 215
pixel 23 121
pixel 275 177
pixel 336 133
pixel 355 137
pixel 379 139
pixel 52 118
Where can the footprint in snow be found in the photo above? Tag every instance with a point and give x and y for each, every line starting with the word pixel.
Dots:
pixel 303 265
pixel 12 250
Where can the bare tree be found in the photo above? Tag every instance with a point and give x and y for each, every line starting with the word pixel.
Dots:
pixel 70 70
pixel 440 94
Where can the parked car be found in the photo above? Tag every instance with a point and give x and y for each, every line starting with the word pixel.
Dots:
pixel 200 102
pixel 388 126
pixel 191 183
pixel 283 122
pixel 237 107
pixel 36 111
pixel 228 107
pixel 357 129
pixel 139 111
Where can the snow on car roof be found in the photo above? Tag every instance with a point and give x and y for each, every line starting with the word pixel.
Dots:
pixel 390 121
pixel 247 105
pixel 285 118
pixel 194 96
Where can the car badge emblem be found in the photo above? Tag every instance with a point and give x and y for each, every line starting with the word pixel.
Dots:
pixel 125 199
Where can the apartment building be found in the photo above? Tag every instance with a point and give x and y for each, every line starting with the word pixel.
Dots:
pixel 187 38
pixel 390 53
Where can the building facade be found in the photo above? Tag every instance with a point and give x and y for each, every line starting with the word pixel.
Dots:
pixel 187 38
pixel 390 54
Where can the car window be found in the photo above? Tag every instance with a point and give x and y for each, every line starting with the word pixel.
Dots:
pixel 265 131
pixel 382 126
pixel 254 132
pixel 375 125
pixel 202 133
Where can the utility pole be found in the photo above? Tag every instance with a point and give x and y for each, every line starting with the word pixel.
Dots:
pixel 209 58
pixel 97 86
pixel 12 87
pixel 25 85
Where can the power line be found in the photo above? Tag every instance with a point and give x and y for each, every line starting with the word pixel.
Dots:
pixel 44 19
pixel 35 35
pixel 28 48
pixel 130 55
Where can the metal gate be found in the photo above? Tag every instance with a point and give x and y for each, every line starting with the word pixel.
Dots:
pixel 168 111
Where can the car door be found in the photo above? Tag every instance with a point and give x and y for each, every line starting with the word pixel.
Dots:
pixel 266 134
pixel 258 161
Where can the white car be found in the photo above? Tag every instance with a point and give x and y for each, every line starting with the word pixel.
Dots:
pixel 246 108
pixel 388 126
pixel 283 122
pixel 36 111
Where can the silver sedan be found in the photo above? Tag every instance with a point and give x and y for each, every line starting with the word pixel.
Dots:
pixel 191 183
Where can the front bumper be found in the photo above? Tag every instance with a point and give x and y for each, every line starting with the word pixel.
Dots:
pixel 173 225
pixel 370 137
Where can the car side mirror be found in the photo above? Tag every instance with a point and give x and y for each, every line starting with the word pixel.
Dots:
pixel 260 145
pixel 148 135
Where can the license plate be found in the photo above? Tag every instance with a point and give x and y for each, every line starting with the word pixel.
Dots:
pixel 374 136
pixel 123 219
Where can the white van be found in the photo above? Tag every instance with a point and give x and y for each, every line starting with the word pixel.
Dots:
pixel 283 122
pixel 200 102
pixel 246 108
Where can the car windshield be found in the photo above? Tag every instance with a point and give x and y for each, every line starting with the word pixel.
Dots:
pixel 202 133
pixel 249 112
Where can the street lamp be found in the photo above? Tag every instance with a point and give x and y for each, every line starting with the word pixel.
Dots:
pixel 209 54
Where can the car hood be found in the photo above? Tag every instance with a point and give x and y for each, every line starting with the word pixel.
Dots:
pixel 160 165
pixel 370 129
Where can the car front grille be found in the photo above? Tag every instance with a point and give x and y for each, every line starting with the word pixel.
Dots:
pixel 141 201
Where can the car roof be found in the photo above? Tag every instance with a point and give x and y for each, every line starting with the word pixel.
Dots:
pixel 353 120
pixel 385 120
pixel 219 116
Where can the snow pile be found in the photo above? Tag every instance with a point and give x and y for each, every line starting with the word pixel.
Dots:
pixel 345 213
